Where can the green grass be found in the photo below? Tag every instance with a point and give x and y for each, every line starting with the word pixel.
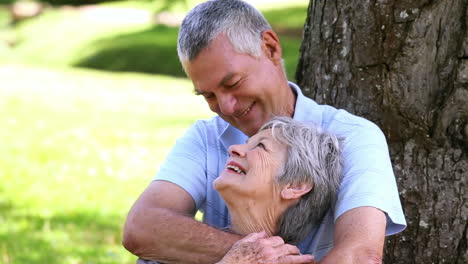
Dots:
pixel 77 149
pixel 77 145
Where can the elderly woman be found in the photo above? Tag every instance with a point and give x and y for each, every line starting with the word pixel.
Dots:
pixel 282 181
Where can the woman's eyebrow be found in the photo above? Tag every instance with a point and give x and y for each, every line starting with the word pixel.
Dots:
pixel 259 139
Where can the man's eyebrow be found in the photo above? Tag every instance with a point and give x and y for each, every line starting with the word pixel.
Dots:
pixel 226 78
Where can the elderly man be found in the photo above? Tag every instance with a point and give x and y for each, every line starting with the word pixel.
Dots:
pixel 234 60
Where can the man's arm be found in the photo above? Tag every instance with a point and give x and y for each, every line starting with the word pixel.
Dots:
pixel 359 237
pixel 160 226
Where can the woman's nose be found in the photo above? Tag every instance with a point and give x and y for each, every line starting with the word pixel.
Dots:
pixel 237 150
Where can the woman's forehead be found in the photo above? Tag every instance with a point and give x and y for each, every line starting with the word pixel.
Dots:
pixel 267 135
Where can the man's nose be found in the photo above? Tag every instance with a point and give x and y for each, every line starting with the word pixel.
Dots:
pixel 237 151
pixel 227 104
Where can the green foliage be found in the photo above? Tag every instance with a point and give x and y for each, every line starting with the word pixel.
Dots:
pixel 61 2
pixel 74 2
pixel 72 40
pixel 7 2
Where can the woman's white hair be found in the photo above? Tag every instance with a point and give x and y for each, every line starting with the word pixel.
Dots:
pixel 241 22
pixel 313 158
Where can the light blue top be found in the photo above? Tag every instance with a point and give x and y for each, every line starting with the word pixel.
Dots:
pixel 200 155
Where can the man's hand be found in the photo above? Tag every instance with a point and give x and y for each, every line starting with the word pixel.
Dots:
pixel 258 248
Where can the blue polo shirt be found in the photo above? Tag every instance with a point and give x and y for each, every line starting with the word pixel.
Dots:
pixel 200 155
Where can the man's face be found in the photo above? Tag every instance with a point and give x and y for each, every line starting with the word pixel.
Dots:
pixel 243 90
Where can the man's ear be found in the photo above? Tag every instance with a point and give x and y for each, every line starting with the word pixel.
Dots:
pixel 271 46
pixel 295 191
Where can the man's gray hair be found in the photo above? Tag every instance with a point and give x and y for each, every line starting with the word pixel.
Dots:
pixel 314 158
pixel 241 22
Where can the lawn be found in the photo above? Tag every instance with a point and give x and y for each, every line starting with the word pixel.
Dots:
pixel 78 146
pixel 83 133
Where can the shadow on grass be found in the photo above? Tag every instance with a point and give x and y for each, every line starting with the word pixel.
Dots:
pixel 148 51
pixel 154 50
pixel 82 236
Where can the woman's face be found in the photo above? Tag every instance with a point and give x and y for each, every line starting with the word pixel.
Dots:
pixel 252 168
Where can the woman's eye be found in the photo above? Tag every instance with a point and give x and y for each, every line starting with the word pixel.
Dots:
pixel 261 145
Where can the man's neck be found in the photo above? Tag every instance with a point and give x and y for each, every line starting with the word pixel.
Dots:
pixel 290 97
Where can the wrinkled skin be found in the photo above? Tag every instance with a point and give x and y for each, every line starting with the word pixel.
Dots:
pixel 258 248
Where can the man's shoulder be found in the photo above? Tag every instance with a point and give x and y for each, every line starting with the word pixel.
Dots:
pixel 328 117
pixel 212 127
pixel 355 130
pixel 341 121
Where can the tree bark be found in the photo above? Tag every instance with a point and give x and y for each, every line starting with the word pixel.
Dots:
pixel 404 65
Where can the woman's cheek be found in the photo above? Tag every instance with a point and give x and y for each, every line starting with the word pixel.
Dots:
pixel 263 167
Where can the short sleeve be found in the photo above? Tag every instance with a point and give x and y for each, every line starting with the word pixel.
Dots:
pixel 368 178
pixel 185 164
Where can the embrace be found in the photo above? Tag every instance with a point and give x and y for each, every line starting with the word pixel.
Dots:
pixel 282 181
pixel 315 198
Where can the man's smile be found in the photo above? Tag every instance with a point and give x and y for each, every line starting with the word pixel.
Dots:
pixel 246 110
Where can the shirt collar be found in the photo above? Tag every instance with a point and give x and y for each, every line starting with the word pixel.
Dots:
pixel 305 110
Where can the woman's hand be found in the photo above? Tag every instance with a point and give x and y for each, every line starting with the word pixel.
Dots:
pixel 258 248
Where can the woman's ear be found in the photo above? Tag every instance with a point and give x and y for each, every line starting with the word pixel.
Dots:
pixel 290 192
pixel 271 46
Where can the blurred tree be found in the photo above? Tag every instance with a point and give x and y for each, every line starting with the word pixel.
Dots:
pixel 7 2
pixel 23 9
pixel 74 2
pixel 58 2
pixel 20 10
pixel 404 65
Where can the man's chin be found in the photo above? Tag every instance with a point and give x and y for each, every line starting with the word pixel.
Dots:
pixel 248 129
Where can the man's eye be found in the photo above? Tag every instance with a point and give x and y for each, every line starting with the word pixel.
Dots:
pixel 233 85
pixel 208 96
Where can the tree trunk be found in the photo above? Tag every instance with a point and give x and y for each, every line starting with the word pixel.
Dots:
pixel 404 65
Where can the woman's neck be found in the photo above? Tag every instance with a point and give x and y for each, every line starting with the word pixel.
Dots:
pixel 254 216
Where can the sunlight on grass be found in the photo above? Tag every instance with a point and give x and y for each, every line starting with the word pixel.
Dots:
pixel 43 39
pixel 77 149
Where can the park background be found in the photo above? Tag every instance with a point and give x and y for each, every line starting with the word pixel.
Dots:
pixel 92 97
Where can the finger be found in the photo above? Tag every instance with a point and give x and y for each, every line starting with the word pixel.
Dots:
pixel 278 252
pixel 289 250
pixel 296 259
pixel 273 241
pixel 254 237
